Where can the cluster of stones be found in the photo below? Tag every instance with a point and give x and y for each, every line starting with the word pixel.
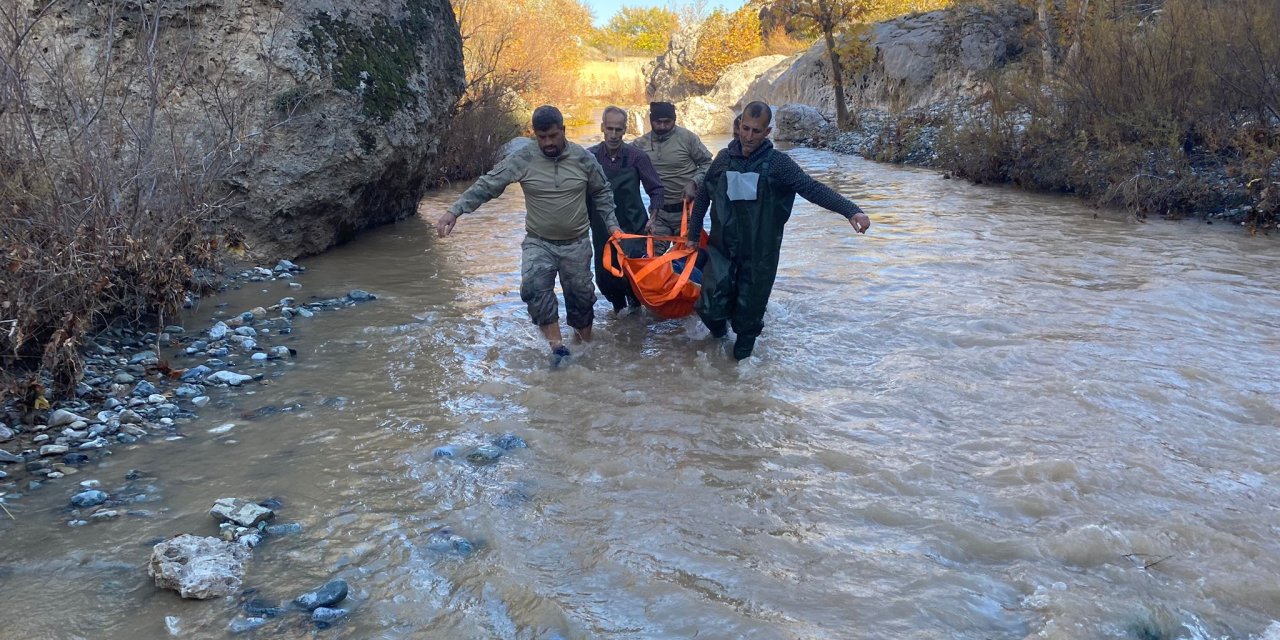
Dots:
pixel 483 453
pixel 117 403
pixel 203 567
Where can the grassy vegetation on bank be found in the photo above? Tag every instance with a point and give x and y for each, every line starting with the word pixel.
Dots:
pixel 1168 108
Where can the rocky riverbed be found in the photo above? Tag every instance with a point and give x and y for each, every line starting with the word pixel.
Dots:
pixel 145 386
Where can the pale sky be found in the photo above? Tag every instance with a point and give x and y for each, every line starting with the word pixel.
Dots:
pixel 604 9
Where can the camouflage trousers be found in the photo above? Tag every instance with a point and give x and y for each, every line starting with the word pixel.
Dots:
pixel 665 223
pixel 540 261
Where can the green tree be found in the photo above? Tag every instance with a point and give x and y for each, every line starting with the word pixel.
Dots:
pixel 640 30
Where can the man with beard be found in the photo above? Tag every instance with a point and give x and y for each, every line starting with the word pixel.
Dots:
pixel 627 168
pixel 681 160
pixel 557 178
pixel 751 188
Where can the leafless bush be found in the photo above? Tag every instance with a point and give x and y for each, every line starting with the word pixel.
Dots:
pixel 110 196
pixel 1146 99
pixel 481 124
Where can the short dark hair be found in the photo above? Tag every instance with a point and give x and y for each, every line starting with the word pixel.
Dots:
pixel 756 109
pixel 546 117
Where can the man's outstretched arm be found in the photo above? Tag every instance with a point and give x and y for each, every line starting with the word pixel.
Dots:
pixel 786 171
pixel 485 188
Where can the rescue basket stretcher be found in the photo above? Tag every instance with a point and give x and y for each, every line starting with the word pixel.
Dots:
pixel 668 292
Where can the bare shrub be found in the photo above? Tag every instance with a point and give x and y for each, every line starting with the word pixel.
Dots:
pixel 110 198
pixel 1147 101
pixel 480 126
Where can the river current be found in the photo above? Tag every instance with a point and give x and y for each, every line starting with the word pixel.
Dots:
pixel 996 415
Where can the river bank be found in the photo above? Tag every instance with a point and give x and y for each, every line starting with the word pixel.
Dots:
pixel 140 385
pixel 956 139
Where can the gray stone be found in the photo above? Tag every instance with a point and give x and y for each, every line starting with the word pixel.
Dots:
pixel 258 357
pixel 245 625
pixel 129 416
pixel 324 617
pixel 241 512
pixel 218 331
pixel 246 331
pixel 90 498
pixel 360 295
pixel 96 443
pixel 195 373
pixel 144 388
pixel 228 378
pixel 736 79
pixel 343 153
pixel 9 458
pixel 123 378
pixel 919 59
pixel 143 357
pixel 198 567
pixel 331 593
pixel 62 418
pixel 174 329
pixel 54 449
pixel 798 122
pixel 288 528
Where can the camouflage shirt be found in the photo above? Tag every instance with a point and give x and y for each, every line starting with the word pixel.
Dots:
pixel 680 158
pixel 555 191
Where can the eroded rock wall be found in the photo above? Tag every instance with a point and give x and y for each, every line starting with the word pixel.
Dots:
pixel 315 119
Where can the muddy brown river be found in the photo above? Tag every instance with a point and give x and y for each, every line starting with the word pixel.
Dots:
pixel 997 415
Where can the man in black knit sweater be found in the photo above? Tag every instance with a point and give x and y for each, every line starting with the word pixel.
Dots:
pixel 751 188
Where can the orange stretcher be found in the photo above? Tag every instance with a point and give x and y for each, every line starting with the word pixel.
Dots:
pixel 655 281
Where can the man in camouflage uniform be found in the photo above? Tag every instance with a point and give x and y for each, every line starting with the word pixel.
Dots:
pixel 681 160
pixel 557 177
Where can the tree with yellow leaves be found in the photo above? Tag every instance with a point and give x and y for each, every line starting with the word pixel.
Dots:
pixel 725 39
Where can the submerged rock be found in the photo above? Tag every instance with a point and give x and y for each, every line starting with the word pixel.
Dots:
pixel 331 593
pixel 325 617
pixel 245 625
pixel 485 453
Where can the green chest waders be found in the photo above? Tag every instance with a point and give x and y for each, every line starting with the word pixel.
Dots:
pixel 746 238
pixel 632 218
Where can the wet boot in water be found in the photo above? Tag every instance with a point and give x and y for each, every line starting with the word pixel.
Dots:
pixel 559 356
pixel 743 346
pixel 718 328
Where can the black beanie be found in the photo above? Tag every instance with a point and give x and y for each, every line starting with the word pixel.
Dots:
pixel 662 110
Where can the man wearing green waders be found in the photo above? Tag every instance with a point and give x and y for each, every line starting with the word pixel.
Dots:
pixel 751 188
pixel 627 167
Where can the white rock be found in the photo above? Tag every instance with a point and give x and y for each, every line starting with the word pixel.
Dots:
pixel 224 428
pixel 198 567
pixel 53 449
pixel 228 377
pixel 241 512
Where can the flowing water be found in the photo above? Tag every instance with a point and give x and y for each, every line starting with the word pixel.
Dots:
pixel 997 415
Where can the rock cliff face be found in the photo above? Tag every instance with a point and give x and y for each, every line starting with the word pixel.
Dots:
pixel 915 61
pixel 330 110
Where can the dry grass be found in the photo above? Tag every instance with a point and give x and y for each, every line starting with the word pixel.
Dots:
pixel 1144 114
pixel 620 81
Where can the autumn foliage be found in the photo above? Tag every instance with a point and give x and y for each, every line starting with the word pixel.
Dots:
pixel 725 39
